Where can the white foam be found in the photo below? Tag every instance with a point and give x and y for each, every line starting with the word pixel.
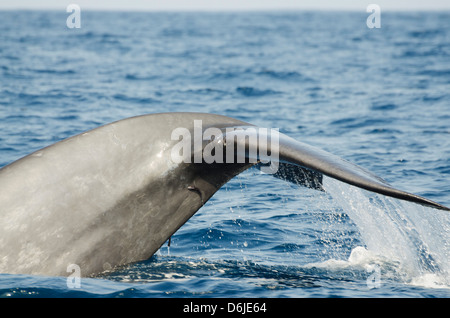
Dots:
pixel 430 280
pixel 360 258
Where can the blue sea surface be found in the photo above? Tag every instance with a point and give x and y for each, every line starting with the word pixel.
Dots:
pixel 377 97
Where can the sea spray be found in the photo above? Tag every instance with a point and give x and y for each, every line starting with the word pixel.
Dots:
pixel 415 237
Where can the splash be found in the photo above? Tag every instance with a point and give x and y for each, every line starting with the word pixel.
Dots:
pixel 414 237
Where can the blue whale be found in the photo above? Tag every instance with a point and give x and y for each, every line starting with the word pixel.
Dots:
pixel 114 195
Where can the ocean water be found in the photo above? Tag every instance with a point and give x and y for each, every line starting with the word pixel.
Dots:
pixel 377 97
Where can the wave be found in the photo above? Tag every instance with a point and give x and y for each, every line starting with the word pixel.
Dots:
pixel 248 91
pixel 139 100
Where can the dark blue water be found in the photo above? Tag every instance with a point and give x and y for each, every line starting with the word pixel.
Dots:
pixel 377 97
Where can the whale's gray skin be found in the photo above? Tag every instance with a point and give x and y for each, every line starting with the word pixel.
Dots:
pixel 112 195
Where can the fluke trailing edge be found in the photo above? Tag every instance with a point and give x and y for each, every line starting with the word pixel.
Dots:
pixel 115 194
